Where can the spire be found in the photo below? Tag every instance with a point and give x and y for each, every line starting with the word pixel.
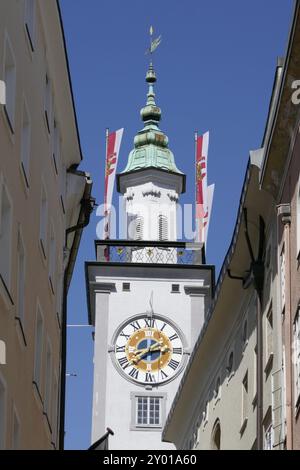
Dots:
pixel 150 143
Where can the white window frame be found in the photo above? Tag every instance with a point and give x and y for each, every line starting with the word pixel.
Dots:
pixel 134 411
pixel 296 348
pixel 282 277
pixel 10 79
pixel 3 423
pixel 30 22
pixel 25 151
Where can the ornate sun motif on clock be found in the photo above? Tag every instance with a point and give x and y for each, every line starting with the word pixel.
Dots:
pixel 149 350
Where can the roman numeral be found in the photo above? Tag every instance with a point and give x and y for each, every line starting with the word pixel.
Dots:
pixel 123 362
pixel 120 348
pixel 173 364
pixel 164 325
pixel 136 325
pixel 125 336
pixel 134 373
pixel 149 322
pixel 163 375
pixel 149 377
pixel 174 336
pixel 177 350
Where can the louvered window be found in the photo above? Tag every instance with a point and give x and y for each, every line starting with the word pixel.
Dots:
pixel 162 228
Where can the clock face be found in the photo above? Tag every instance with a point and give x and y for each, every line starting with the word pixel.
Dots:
pixel 148 350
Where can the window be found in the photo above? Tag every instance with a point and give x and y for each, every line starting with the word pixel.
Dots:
pixel 38 349
pixel 25 143
pixel 216 436
pixel 5 236
pixel 48 383
pixel 162 228
pixel 297 358
pixel 21 279
pixel 269 336
pixel 15 431
pixel 10 82
pixel 52 259
pixel 282 277
pixel 126 286
pixel 48 102
pixel 268 431
pixel 148 411
pixel 43 221
pixel 56 146
pixel 244 401
pixel 30 21
pixel 175 288
pixel 229 367
pixel 2 413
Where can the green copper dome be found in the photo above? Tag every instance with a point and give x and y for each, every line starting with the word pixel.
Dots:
pixel 151 144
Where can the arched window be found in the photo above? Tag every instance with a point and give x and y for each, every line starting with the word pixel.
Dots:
pixel 162 228
pixel 218 389
pixel 216 436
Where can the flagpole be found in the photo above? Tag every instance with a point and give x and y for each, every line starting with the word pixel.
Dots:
pixel 196 225
pixel 105 195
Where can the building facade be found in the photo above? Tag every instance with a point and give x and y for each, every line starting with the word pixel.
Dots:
pixel 247 397
pixel 43 208
pixel 147 297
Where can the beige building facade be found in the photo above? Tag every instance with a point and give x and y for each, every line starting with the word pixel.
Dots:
pixel 44 204
pixel 241 389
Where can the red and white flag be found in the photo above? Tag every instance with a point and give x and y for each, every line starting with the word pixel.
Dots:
pixel 113 143
pixel 204 194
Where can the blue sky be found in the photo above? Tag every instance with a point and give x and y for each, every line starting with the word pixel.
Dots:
pixel 215 69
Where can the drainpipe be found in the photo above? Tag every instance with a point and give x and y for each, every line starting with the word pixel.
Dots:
pixel 284 212
pixel 87 205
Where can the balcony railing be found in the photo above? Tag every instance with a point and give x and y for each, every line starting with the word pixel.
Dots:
pixel 150 252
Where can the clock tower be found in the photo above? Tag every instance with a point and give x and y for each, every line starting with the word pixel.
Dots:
pixel 147 296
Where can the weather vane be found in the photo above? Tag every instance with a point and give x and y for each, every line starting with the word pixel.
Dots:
pixel 154 43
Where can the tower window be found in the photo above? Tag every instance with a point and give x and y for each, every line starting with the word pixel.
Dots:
pixel 126 286
pixel 148 410
pixel 162 228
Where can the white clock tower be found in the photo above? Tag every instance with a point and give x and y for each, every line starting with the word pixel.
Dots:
pixel 147 297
